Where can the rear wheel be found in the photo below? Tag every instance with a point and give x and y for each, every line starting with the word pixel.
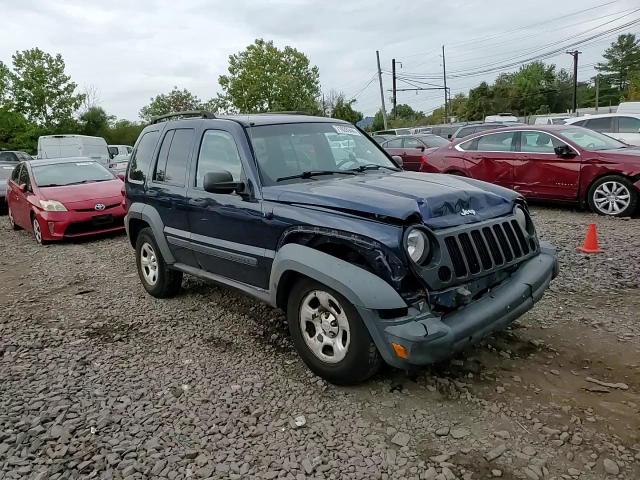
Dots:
pixel 157 278
pixel 613 196
pixel 329 334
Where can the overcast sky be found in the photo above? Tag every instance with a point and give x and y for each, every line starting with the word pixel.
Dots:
pixel 132 50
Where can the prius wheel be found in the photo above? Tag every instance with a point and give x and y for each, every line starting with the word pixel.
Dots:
pixel 329 334
pixel 157 278
pixel 613 196
pixel 12 222
pixel 37 231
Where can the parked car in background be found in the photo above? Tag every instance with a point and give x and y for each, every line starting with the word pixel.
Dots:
pixel 67 146
pixel 551 119
pixel 413 149
pixel 418 130
pixel 380 139
pixel 628 107
pixel 624 127
pixel 14 156
pixel 64 198
pixel 467 130
pixel 394 131
pixel 445 130
pixel 501 117
pixel 365 259
pixel 120 152
pixel 5 173
pixel 553 162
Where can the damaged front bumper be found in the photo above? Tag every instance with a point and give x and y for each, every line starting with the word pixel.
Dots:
pixel 425 338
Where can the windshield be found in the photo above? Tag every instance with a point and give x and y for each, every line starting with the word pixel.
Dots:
pixel 591 140
pixel 288 150
pixel 60 174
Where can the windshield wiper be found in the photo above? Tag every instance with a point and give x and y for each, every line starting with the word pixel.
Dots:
pixel 51 185
pixel 89 181
pixel 372 166
pixel 315 173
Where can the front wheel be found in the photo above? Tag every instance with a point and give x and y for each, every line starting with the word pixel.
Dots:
pixel 613 196
pixel 37 230
pixel 329 334
pixel 157 278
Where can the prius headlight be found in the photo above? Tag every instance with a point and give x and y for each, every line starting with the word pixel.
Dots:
pixel 418 245
pixel 52 206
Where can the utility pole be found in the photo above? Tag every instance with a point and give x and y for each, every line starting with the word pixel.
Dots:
pixel 575 54
pixel 597 91
pixel 444 77
pixel 384 112
pixel 394 97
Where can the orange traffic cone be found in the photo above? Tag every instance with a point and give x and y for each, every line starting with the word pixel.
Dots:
pixel 591 241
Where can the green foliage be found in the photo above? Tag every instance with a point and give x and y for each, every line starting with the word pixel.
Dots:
pixel 95 122
pixel 5 77
pixel 123 132
pixel 343 110
pixel 378 122
pixel 264 78
pixel 174 101
pixel 633 93
pixel 40 89
pixel 622 59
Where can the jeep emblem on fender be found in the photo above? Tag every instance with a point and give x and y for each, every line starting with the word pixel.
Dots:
pixel 464 213
pixel 99 206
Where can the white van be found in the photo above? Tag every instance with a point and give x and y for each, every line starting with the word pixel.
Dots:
pixel 61 146
pixel 551 119
pixel 501 117
pixel 629 107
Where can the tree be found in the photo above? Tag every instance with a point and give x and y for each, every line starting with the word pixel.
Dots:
pixel 174 101
pixel 622 58
pixel 4 83
pixel 123 132
pixel 95 122
pixel 343 110
pixel 404 111
pixel 378 121
pixel 634 87
pixel 41 90
pixel 264 78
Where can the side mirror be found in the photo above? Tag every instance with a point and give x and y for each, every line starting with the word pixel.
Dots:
pixel 398 160
pixel 449 136
pixel 421 148
pixel 564 151
pixel 221 182
pixel 120 176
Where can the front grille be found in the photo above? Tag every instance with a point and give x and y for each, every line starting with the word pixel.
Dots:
pixel 99 222
pixel 93 209
pixel 486 248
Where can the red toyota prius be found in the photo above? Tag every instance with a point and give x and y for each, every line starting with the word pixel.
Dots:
pixel 64 198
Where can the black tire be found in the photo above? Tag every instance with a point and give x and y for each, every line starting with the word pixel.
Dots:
pixel 12 224
pixel 168 281
pixel 622 181
pixel 362 359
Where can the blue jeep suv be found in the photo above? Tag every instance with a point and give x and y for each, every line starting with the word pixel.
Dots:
pixel 310 215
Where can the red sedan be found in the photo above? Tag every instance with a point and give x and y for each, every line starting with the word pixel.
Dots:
pixel 414 149
pixel 64 198
pixel 551 162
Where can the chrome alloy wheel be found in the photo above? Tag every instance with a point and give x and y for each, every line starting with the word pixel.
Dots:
pixel 149 264
pixel 37 233
pixel 611 197
pixel 324 326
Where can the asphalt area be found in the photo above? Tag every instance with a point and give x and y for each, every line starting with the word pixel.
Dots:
pixel 99 380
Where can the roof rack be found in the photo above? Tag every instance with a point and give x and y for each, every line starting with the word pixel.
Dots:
pixel 283 112
pixel 188 113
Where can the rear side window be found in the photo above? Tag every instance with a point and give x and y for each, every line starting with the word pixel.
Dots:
pixel 497 142
pixel 579 123
pixel 412 143
pixel 395 143
pixel 463 132
pixel 16 173
pixel 174 157
pixel 628 125
pixel 23 178
pixel 8 157
pixel 600 124
pixel 141 158
pixel 218 151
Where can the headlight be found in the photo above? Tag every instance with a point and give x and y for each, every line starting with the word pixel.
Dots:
pixel 524 221
pixel 52 206
pixel 417 245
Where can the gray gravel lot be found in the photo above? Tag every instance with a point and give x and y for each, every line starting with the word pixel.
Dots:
pixel 99 380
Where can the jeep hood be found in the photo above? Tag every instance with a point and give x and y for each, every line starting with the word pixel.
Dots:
pixel 440 200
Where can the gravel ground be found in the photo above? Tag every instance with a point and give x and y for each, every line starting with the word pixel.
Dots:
pixel 99 380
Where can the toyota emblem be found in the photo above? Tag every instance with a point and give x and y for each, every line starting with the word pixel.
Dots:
pixel 99 206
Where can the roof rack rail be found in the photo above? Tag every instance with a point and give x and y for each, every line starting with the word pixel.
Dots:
pixel 283 112
pixel 188 113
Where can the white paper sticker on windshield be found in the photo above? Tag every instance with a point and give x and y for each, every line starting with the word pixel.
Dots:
pixel 346 130
pixel 83 164
pixel 8 168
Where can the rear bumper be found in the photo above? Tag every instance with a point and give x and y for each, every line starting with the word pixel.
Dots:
pixel 74 224
pixel 428 338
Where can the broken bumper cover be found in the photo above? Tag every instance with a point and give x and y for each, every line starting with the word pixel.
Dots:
pixel 428 338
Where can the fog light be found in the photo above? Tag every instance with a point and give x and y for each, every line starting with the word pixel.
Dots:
pixel 400 350
pixel 52 226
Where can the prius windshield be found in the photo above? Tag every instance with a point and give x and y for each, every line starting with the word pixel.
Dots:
pixel 302 150
pixel 591 140
pixel 70 173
